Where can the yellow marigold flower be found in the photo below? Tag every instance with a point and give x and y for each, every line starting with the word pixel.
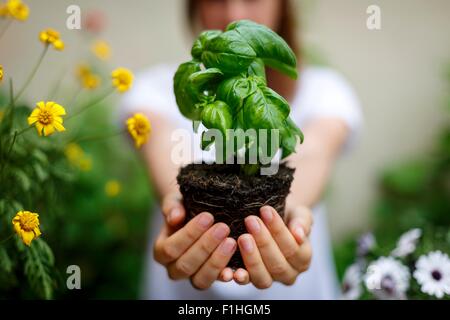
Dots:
pixel 47 116
pixel 1 73
pixel 17 9
pixel 3 10
pixel 102 50
pixel 52 37
pixel 91 81
pixel 26 225
pixel 112 188
pixel 77 158
pixel 122 79
pixel 73 152
pixel 87 79
pixel 139 128
pixel 85 164
pixel 83 70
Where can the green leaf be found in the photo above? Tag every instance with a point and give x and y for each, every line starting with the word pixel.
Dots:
pixel 217 115
pixel 234 91
pixel 38 267
pixel 22 178
pixel 257 68
pixel 268 46
pixel 186 101
pixel 40 156
pixel 265 109
pixel 41 174
pixel 229 52
pixel 5 261
pixel 204 80
pixel 206 143
pixel 201 41
pixel 290 136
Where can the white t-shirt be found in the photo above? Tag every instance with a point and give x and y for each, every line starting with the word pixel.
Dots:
pixel 321 93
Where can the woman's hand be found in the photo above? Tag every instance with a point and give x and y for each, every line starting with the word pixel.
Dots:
pixel 199 250
pixel 275 251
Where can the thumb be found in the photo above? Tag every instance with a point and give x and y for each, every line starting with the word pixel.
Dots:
pixel 300 221
pixel 173 209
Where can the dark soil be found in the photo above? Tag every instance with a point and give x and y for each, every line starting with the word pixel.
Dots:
pixel 231 196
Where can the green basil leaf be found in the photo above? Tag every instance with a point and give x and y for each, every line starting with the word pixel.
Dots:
pixel 265 109
pixel 290 135
pixel 186 99
pixel 204 80
pixel 268 46
pixel 217 115
pixel 201 41
pixel 234 90
pixel 257 68
pixel 228 52
pixel 206 143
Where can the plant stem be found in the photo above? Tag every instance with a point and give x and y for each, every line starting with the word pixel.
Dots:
pixel 90 104
pixel 74 99
pixel 32 74
pixel 5 28
pixel 97 138
pixel 53 92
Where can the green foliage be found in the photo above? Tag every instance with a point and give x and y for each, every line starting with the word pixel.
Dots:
pixel 225 88
pixel 38 267
pixel 413 194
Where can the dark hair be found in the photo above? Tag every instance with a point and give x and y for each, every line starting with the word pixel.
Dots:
pixel 287 28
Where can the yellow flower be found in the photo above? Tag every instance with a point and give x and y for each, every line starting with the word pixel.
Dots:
pixel 87 79
pixel 102 50
pixel 83 70
pixel 73 153
pixel 90 81
pixel 139 128
pixel 1 73
pixel 122 79
pixel 3 10
pixel 26 225
pixel 77 157
pixel 112 188
pixel 16 9
pixel 50 36
pixel 47 117
pixel 85 164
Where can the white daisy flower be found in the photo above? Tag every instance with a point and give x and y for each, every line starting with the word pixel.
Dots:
pixel 433 273
pixel 365 244
pixel 407 243
pixel 351 286
pixel 387 278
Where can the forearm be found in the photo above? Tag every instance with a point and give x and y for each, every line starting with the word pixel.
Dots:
pixel 158 156
pixel 314 160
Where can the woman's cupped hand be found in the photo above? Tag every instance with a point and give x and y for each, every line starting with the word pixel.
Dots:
pixel 272 250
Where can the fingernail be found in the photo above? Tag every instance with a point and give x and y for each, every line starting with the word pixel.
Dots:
pixel 220 232
pixel 253 225
pixel 300 233
pixel 205 220
pixel 241 276
pixel 174 214
pixel 227 247
pixel 247 244
pixel 266 214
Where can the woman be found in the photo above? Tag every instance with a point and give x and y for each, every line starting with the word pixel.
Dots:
pixel 194 256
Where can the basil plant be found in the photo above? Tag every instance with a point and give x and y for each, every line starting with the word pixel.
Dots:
pixel 224 87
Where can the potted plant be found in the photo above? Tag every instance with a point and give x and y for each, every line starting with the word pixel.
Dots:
pixel 224 88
